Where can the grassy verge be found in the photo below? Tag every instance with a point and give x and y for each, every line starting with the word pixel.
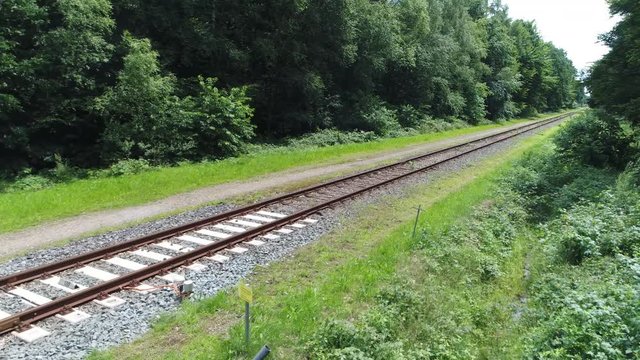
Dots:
pixel 22 209
pixel 338 277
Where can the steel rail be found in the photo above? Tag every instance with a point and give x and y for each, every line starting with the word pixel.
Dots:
pixel 56 306
pixel 85 258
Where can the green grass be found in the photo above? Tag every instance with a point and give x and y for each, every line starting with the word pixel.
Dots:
pixel 335 278
pixel 22 209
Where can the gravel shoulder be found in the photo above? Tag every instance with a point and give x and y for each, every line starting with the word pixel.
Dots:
pixel 39 236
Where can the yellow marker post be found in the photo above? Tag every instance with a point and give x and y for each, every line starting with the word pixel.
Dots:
pixel 246 294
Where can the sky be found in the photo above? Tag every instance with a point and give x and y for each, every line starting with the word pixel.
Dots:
pixel 573 25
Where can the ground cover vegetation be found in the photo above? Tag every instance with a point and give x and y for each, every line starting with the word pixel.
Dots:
pixel 93 83
pixel 548 269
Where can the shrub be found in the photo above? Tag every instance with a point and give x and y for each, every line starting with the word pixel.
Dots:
pixel 588 312
pixel 489 269
pixel 221 120
pixel 330 137
pixel 379 119
pixel 128 167
pixel 585 304
pixel 374 335
pixel 547 183
pixel 410 117
pixel 349 353
pixel 29 183
pixel 430 125
pixel 596 139
pixel 629 180
pixel 596 229
pixel 399 300
pixel 140 110
pixel 402 132
pixel 63 171
pixel 372 114
pixel 336 335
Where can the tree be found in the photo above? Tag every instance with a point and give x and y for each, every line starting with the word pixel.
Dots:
pixel 503 78
pixel 54 54
pixel 562 93
pixel 534 66
pixel 145 119
pixel 614 78
pixel 139 110
pixel 69 91
pixel 19 23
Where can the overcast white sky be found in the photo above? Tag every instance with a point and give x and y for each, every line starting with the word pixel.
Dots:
pixel 573 25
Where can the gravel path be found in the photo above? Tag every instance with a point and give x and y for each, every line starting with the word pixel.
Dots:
pixel 109 327
pixel 73 227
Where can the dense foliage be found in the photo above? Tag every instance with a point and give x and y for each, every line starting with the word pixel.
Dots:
pixel 584 303
pixel 614 78
pixel 93 82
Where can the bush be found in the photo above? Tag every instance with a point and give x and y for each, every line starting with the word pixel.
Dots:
pixel 127 167
pixel 588 312
pixel 604 228
pixel 595 139
pixel 489 269
pixel 379 119
pixel 330 137
pixel 547 183
pixel 29 183
pixel 63 171
pixel 374 335
pixel 430 125
pixel 336 335
pixel 220 120
pixel 398 298
pixel 349 353
pixel 630 178
pixel 410 117
pixel 141 110
pixel 372 114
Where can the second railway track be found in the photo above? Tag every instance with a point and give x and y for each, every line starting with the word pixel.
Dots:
pixel 159 253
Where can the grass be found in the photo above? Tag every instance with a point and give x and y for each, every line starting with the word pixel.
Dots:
pixel 22 209
pixel 336 277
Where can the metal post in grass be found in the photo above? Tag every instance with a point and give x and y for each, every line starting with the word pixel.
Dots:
pixel 415 225
pixel 246 294
pixel 247 334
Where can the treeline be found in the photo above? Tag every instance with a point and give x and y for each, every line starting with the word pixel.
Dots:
pixel 614 79
pixel 612 82
pixel 91 82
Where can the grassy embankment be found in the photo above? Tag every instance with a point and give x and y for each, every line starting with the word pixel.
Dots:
pixel 341 276
pixel 22 209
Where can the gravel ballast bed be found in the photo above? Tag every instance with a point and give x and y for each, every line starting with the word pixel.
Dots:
pixel 108 327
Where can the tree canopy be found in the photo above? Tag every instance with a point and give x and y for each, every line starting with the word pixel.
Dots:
pixel 613 79
pixel 96 81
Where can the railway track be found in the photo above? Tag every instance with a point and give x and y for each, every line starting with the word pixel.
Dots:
pixel 124 266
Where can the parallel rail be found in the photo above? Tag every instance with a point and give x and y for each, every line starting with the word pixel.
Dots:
pixel 75 299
